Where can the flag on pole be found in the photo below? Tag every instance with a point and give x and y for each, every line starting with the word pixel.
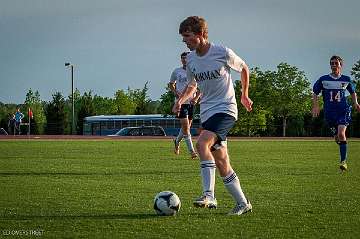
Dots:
pixel 30 113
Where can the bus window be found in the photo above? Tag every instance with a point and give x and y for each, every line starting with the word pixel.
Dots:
pixel 125 123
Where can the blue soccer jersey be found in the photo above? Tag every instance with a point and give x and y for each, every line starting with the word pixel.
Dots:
pixel 336 107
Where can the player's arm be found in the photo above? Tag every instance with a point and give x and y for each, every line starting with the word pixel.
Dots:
pixel 315 105
pixel 190 90
pixel 196 98
pixel 172 84
pixel 317 89
pixel 355 101
pixel 245 78
pixel 239 65
pixel 172 87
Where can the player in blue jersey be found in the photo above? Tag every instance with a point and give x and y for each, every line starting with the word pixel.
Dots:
pixel 208 69
pixel 18 118
pixel 337 110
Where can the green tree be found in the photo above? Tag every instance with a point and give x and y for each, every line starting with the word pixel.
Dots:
pixel 123 103
pixel 4 117
pixel 34 102
pixel 56 115
pixel 166 102
pixel 355 125
pixel 355 71
pixel 104 105
pixel 153 107
pixel 254 122
pixel 296 101
pixel 6 112
pixel 286 93
pixel 141 100
pixel 86 109
pixel 68 109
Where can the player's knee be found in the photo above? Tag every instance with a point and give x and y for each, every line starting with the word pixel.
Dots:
pixel 199 146
pixel 202 146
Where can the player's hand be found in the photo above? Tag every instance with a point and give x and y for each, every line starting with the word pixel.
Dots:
pixel 315 111
pixel 247 103
pixel 357 107
pixel 176 108
pixel 193 101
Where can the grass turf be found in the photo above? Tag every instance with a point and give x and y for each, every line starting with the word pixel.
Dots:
pixel 105 189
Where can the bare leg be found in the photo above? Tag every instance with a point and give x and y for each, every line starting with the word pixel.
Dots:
pixel 230 179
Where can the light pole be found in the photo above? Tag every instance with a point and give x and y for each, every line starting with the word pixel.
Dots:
pixel 72 95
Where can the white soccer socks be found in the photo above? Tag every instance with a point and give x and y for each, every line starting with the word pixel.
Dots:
pixel 179 137
pixel 232 184
pixel 208 168
pixel 189 143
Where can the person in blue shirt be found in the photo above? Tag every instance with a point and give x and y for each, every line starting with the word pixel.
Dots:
pixel 337 110
pixel 18 118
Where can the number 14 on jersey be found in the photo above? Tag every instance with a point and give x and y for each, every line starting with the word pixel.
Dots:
pixel 335 96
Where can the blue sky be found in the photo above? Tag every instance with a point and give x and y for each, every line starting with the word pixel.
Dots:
pixel 119 44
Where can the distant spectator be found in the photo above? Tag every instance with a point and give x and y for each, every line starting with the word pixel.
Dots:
pixel 11 124
pixel 18 118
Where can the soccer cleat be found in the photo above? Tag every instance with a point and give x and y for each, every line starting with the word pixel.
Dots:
pixel 206 202
pixel 343 165
pixel 194 155
pixel 176 147
pixel 241 209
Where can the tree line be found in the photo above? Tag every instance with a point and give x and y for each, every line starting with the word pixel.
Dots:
pixel 282 106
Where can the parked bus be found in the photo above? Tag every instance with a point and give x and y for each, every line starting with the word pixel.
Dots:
pixel 110 124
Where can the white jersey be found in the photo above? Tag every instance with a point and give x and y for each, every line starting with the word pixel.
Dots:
pixel 179 78
pixel 212 75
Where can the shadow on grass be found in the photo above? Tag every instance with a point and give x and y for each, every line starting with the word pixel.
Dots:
pixel 120 173
pixel 81 217
pixel 135 216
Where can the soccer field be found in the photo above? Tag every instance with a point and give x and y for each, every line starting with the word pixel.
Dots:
pixel 105 189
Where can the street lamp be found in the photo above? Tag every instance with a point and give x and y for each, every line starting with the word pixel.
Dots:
pixel 67 64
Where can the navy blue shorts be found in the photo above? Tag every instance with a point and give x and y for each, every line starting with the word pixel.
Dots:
pixel 338 117
pixel 186 111
pixel 220 124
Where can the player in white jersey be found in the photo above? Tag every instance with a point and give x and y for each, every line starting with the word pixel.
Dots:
pixel 178 83
pixel 208 68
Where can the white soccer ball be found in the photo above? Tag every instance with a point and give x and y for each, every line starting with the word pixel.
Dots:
pixel 167 203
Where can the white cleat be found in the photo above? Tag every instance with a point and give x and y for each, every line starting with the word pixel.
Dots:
pixel 176 147
pixel 241 209
pixel 206 202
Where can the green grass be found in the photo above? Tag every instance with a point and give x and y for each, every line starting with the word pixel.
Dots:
pixel 105 189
